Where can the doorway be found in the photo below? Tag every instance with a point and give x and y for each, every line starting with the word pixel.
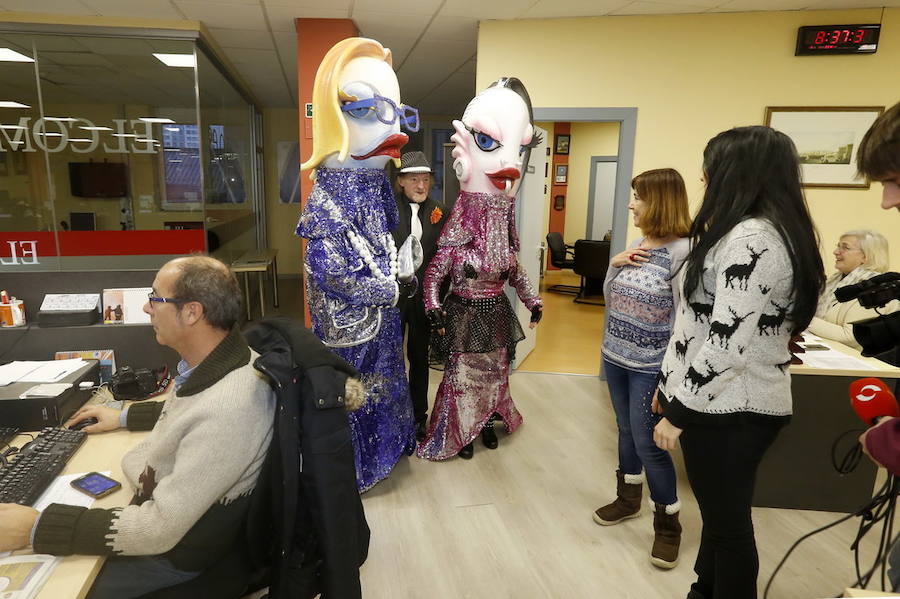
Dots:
pixel 571 333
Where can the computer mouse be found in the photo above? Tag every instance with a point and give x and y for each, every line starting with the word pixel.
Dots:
pixel 83 423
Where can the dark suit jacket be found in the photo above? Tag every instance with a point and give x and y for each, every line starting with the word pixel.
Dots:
pixel 430 232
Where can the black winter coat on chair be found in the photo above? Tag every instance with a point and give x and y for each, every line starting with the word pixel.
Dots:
pixel 311 522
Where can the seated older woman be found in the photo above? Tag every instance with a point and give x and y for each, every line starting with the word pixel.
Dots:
pixel 859 255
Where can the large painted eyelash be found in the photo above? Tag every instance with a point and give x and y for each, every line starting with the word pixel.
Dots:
pixel 535 141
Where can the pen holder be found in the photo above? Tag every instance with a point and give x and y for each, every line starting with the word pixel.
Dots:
pixel 12 314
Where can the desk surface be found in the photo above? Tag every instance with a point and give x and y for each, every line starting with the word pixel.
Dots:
pixel 74 576
pixel 881 369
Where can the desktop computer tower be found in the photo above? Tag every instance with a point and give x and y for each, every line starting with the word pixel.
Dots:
pixel 35 413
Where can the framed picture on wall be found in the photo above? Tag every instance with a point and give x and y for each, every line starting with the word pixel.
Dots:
pixel 561 174
pixel 562 143
pixel 827 139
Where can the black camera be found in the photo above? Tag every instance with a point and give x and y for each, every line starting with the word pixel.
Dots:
pixel 130 384
pixel 880 334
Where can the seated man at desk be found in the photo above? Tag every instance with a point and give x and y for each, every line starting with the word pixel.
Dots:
pixel 193 475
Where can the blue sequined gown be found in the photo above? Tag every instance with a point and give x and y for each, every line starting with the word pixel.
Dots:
pixel 352 308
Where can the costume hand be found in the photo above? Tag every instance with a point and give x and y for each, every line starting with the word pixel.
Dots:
pixel 16 522
pixel 408 288
pixel 654 403
pixel 107 418
pixel 436 319
pixel 536 314
pixel 632 257
pixel 862 438
pixel 665 435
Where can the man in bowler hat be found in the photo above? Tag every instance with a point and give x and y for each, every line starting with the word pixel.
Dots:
pixel 423 217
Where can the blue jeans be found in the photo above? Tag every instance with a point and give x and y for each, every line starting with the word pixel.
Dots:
pixel 631 393
pixel 125 577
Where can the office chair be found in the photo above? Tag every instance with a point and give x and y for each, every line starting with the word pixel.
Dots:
pixel 560 253
pixel 591 263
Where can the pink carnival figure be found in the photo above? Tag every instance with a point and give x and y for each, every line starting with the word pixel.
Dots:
pixel 476 330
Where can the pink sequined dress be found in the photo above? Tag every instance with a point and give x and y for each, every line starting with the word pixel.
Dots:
pixel 477 250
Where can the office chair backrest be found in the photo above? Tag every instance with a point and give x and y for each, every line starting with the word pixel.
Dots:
pixel 591 258
pixel 557 249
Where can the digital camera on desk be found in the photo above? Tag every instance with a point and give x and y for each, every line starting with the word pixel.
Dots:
pixel 881 334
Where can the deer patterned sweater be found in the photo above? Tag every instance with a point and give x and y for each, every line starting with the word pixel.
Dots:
pixel 728 355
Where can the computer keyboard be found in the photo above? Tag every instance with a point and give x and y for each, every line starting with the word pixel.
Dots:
pixel 34 468
pixel 7 434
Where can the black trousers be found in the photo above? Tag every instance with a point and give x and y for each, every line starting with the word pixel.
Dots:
pixel 416 331
pixel 721 465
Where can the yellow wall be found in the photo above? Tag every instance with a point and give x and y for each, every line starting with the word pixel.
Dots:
pixel 692 76
pixel 588 139
pixel 281 219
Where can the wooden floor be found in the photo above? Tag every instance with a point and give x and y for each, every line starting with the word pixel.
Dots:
pixel 516 522
pixel 570 335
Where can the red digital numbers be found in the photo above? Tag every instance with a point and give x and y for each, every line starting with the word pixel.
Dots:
pixel 839 36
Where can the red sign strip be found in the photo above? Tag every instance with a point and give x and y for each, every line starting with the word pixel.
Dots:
pixel 103 243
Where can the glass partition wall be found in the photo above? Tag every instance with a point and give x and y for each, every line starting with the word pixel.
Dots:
pixel 121 152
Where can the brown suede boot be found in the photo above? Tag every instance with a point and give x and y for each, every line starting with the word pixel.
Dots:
pixel 627 503
pixel 668 535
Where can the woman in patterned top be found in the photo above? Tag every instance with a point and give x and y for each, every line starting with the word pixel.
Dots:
pixel 641 300
pixel 751 281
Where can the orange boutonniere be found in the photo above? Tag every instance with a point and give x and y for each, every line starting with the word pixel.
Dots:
pixel 436 215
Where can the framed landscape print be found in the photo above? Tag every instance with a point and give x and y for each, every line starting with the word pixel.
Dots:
pixel 827 139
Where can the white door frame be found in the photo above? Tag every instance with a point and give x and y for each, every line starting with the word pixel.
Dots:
pixel 627 119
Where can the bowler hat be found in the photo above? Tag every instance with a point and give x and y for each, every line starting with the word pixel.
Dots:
pixel 414 162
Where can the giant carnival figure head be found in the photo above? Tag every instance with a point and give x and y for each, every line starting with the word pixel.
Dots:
pixel 357 112
pixel 494 139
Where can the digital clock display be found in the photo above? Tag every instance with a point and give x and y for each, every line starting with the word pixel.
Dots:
pixel 838 39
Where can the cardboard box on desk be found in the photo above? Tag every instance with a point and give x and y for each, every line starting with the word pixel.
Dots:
pixel 35 413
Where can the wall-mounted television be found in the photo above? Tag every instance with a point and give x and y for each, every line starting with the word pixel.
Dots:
pixel 98 179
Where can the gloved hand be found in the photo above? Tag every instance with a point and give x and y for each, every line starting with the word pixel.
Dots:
pixel 408 288
pixel 536 314
pixel 436 319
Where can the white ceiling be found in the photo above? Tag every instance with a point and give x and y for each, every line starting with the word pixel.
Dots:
pixel 433 41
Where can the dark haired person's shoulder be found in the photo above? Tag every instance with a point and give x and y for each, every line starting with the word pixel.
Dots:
pixel 758 234
pixel 755 227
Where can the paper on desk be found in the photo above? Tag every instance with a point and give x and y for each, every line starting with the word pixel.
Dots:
pixel 22 576
pixel 12 372
pixel 835 360
pixel 61 491
pixel 46 390
pixel 52 371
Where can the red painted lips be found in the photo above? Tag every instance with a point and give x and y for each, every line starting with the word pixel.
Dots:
pixel 500 178
pixel 389 147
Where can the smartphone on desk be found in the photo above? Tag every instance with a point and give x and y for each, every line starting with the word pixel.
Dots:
pixel 96 485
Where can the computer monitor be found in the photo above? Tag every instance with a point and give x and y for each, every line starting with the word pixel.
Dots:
pixel 82 221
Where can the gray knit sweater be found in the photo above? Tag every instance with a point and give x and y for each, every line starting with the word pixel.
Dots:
pixel 191 476
pixel 729 349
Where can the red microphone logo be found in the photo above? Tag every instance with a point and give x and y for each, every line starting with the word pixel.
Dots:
pixel 867 392
pixel 871 399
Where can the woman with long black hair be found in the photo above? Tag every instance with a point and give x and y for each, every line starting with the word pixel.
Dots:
pixel 750 282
